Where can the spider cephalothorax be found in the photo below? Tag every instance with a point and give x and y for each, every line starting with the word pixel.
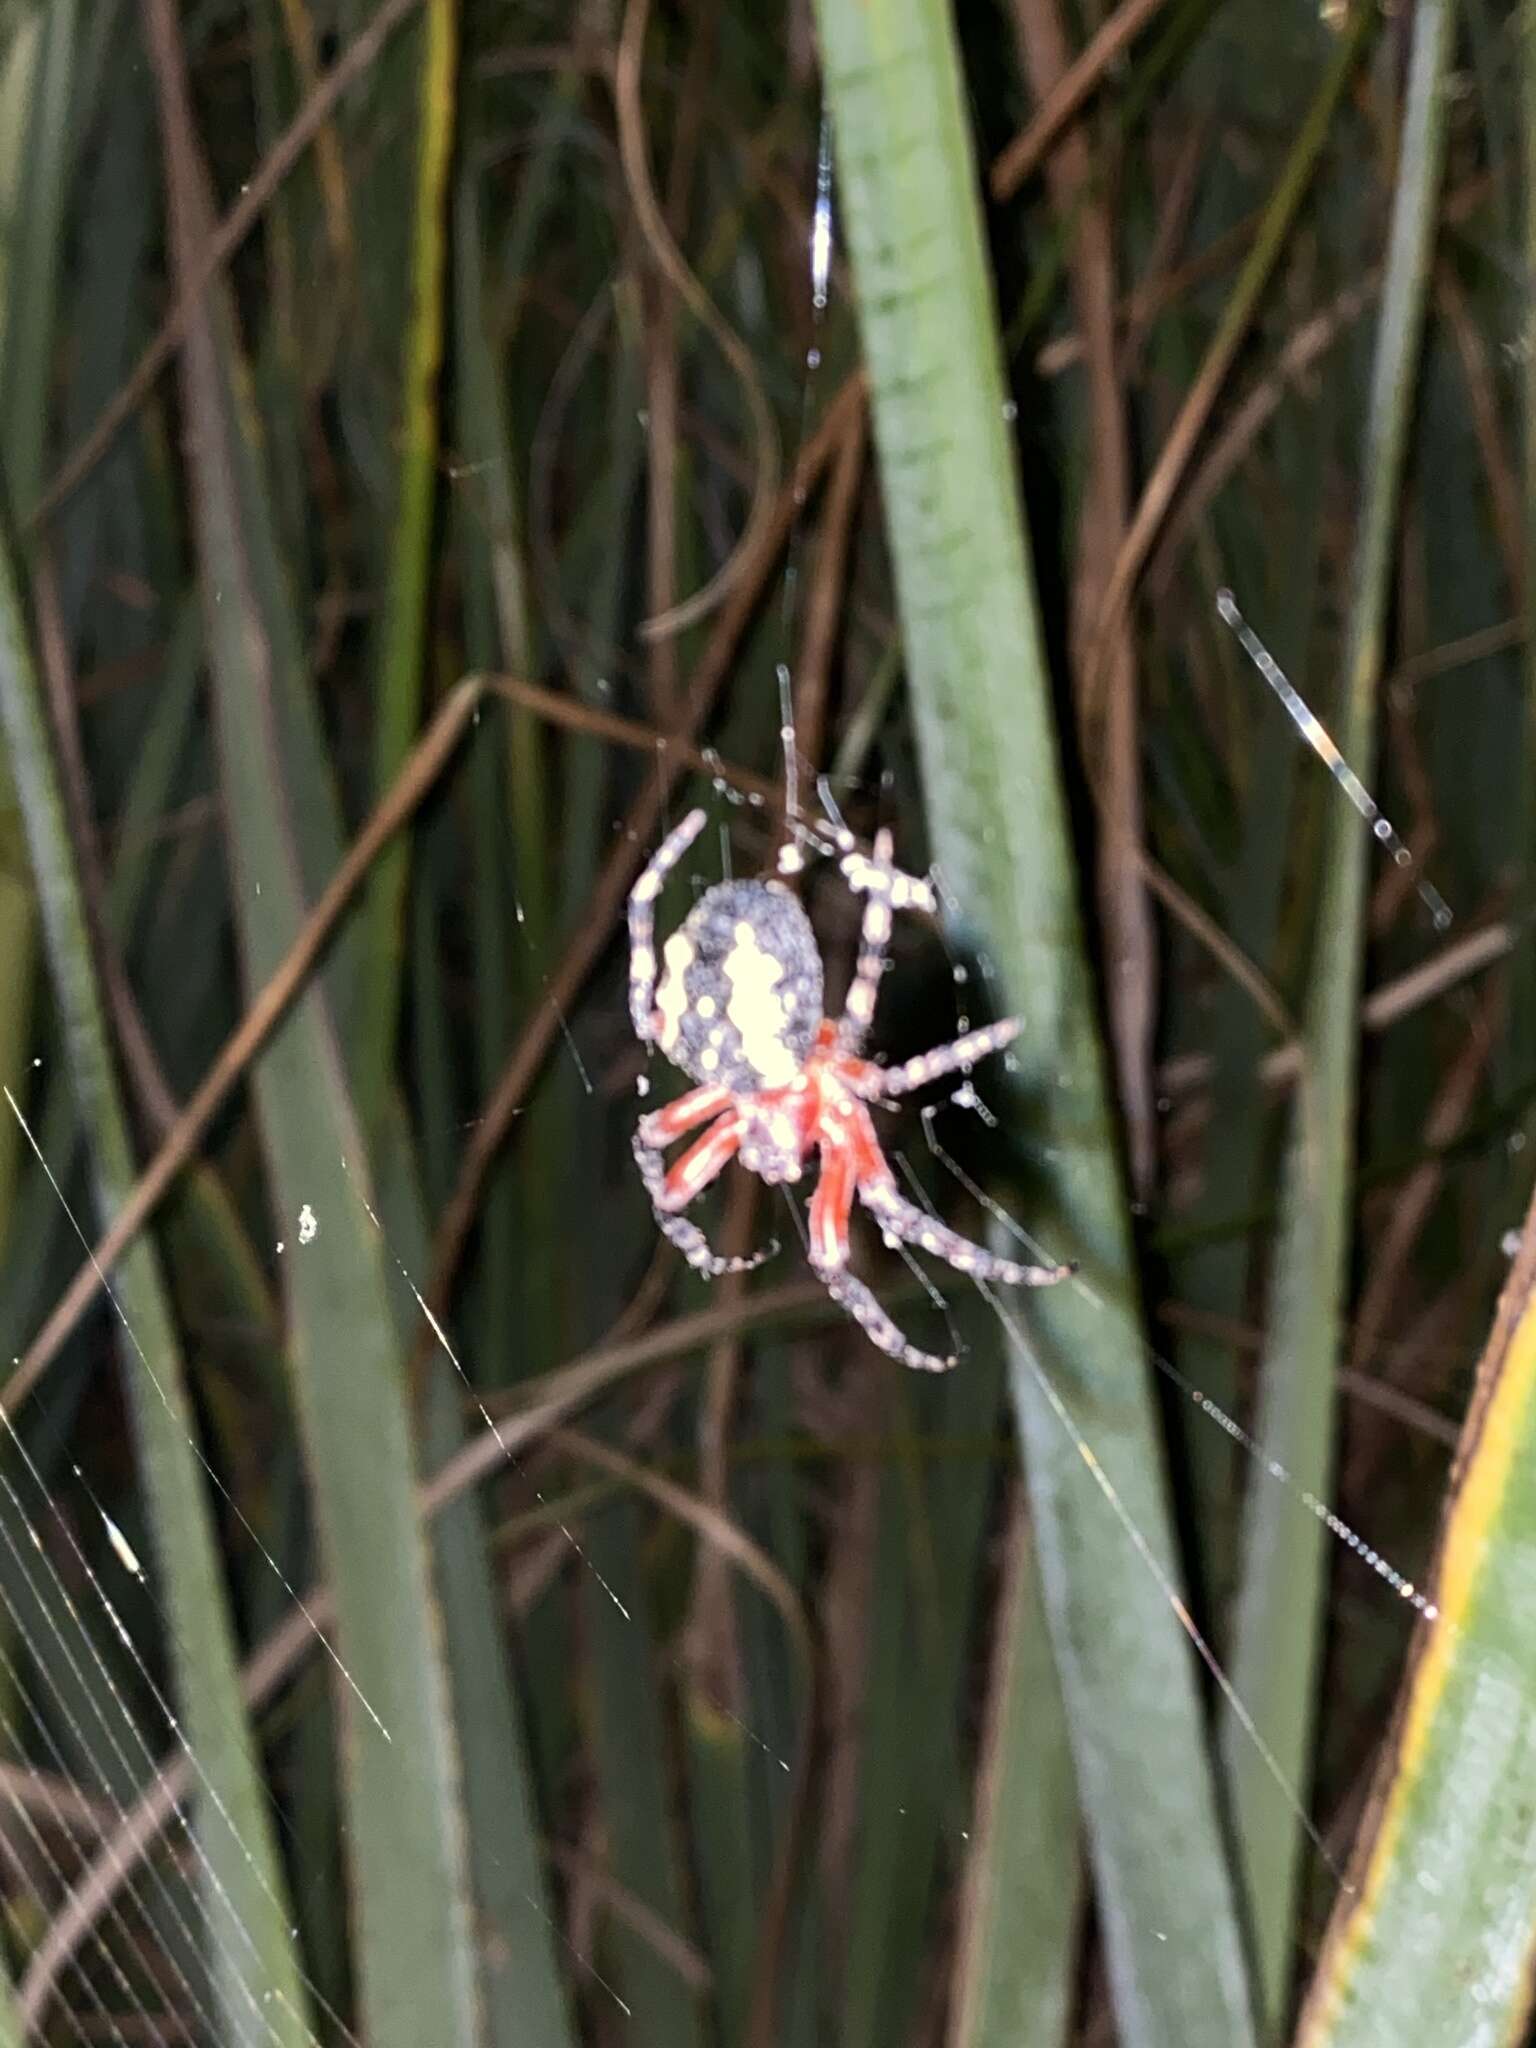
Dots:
pixel 738 1009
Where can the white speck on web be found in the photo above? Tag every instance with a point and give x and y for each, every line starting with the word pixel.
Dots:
pixel 309 1229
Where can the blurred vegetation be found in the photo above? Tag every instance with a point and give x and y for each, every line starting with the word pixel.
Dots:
pixel 430 1616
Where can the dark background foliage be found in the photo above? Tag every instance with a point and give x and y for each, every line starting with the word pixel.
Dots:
pixel 701 1696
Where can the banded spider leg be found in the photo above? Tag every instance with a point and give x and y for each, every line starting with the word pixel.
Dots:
pixel 671 1189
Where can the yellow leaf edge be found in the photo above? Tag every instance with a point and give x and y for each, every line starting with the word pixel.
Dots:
pixel 1502 1402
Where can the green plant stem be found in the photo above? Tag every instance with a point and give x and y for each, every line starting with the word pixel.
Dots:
pixel 401 653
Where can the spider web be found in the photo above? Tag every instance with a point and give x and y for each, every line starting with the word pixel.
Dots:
pixel 806 842
pixel 968 1100
pixel 115 1796
pixel 109 1804
pixel 107 1791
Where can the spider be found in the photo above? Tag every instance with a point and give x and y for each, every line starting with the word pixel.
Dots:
pixel 739 1010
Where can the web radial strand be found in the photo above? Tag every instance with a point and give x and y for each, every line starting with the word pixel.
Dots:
pixel 78 1971
pixel 220 1488
pixel 791 854
pixel 821 229
pixel 1322 743
pixel 41 1715
pixel 91 1680
pixel 1273 1469
pixel 206 1789
pixel 1170 1592
pixel 49 1864
pixel 53 1599
pixel 440 1337
pixel 819 245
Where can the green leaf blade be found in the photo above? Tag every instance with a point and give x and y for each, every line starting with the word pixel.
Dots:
pixel 256 1977
pixel 1433 1942
pixel 989 758
pixel 1279 1604
pixel 415 1953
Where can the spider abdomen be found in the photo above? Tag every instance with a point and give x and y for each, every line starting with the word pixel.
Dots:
pixel 739 1000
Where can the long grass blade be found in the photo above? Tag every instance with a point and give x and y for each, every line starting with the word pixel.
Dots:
pixel 630 1754
pixel 18 960
pixel 35 59
pixel 33 208
pixel 929 1557
pixel 405 1825
pixel 1435 1941
pixel 526 1998
pixel 982 694
pixel 1275 1642
pixel 1024 1886
pixel 401 653
pixel 254 1968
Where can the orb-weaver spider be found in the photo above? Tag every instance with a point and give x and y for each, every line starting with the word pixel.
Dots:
pixel 739 1010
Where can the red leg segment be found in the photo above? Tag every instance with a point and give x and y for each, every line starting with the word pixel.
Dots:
pixel 831 1206
pixel 672 1191
pixel 686 1114
pixel 702 1162
pixel 843 1163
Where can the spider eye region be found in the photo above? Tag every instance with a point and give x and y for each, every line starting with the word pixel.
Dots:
pixel 739 1000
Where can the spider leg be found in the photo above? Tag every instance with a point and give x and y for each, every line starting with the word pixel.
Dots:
pixel 831 1206
pixel 642 922
pixel 906 892
pixel 887 889
pixel 874 938
pixel 903 1220
pixel 662 1126
pixel 877 1326
pixel 671 1189
pixel 887 1082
